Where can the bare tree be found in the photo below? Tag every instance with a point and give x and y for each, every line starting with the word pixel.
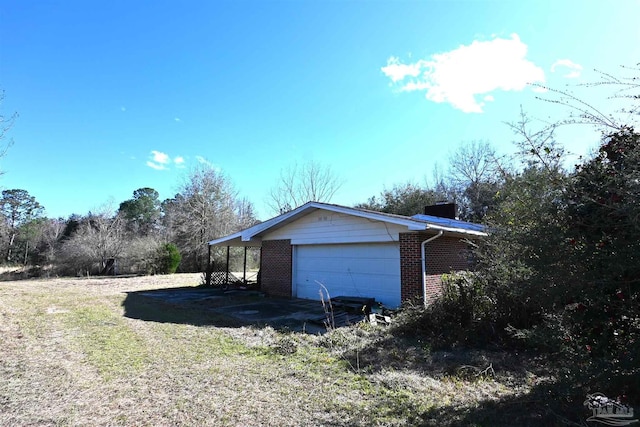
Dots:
pixel 537 147
pixel 246 213
pixel 204 209
pixel 5 124
pixel 52 233
pixel 626 89
pixel 301 184
pixel 440 183
pixel 100 237
pixel 472 162
pixel 473 173
pixel 140 253
pixel 402 199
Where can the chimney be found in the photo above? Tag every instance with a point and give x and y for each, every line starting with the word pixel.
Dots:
pixel 442 210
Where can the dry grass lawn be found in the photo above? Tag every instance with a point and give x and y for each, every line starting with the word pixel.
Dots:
pixel 70 357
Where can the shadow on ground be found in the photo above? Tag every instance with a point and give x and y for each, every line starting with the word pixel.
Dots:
pixel 548 404
pixel 23 273
pixel 555 398
pixel 214 307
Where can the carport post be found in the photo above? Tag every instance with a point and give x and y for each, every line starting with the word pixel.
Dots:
pixel 244 268
pixel 208 275
pixel 259 278
pixel 227 277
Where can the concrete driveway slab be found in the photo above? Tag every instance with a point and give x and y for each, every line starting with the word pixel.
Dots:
pixel 249 307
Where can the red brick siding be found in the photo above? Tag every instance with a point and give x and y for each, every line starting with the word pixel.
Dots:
pixel 410 266
pixel 275 269
pixel 444 255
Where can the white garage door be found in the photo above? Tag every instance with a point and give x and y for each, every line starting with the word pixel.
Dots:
pixel 363 270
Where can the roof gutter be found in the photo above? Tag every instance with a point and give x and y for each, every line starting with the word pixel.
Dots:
pixel 424 265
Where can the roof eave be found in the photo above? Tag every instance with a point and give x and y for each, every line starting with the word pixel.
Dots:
pixel 457 231
pixel 235 240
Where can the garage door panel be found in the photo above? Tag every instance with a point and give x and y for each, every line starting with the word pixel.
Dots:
pixel 351 265
pixel 351 269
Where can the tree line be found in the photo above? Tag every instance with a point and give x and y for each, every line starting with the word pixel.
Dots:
pixel 206 206
pixel 134 238
pixel 142 233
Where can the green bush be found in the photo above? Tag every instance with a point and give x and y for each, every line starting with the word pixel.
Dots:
pixel 462 316
pixel 168 258
pixel 465 294
pixel 561 265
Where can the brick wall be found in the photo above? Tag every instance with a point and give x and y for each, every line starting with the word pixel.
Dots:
pixel 444 255
pixel 275 268
pixel 410 267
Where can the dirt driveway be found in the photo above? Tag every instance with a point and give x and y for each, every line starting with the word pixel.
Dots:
pixel 243 307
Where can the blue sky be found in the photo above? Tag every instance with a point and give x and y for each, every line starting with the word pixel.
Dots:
pixel 118 95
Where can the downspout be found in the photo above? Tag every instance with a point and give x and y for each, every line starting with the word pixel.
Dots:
pixel 424 265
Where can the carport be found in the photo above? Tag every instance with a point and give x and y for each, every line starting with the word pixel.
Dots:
pixel 221 275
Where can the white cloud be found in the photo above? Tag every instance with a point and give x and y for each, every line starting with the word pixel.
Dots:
pixel 161 161
pixel 458 76
pixel 123 108
pixel 574 69
pixel 156 166
pixel 160 157
pixel 397 71
pixel 177 119
pixel 179 162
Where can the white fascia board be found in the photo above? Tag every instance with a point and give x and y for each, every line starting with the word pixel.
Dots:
pixel 225 239
pixel 250 238
pixel 418 227
pixel 455 230
pixel 235 240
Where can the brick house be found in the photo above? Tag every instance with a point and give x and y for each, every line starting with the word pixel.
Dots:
pixel 355 252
